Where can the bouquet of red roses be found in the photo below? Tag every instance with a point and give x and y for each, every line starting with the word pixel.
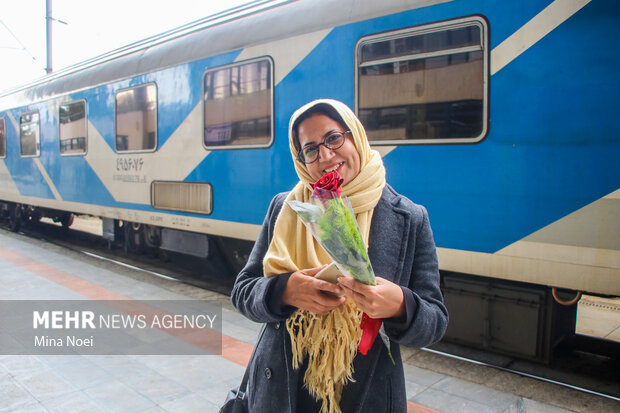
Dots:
pixel 330 218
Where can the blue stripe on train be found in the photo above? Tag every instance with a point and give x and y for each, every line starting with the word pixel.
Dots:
pixel 176 90
pixel 531 170
pixel 543 159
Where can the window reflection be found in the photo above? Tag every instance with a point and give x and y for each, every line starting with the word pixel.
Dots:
pixel 29 135
pixel 73 128
pixel 136 119
pixel 238 105
pixel 424 85
pixel 422 43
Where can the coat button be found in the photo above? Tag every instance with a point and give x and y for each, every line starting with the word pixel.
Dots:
pixel 277 325
pixel 268 373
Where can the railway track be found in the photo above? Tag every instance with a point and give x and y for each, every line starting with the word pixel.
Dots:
pixel 522 373
pixel 83 239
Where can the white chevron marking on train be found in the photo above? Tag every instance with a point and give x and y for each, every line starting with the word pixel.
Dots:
pixel 531 32
pixel 7 184
pixel 47 178
pixel 179 155
pixel 286 52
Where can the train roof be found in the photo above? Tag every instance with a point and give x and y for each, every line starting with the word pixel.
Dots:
pixel 243 26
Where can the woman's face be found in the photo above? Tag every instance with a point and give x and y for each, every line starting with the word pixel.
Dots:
pixel 345 159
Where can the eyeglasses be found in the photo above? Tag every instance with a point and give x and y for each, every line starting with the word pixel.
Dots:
pixel 332 142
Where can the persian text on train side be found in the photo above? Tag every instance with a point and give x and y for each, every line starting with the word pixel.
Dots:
pixel 88 319
pixel 129 164
pixel 129 178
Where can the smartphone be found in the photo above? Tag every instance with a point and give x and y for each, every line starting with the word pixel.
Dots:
pixel 330 274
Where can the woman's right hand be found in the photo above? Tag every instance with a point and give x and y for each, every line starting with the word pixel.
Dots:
pixel 306 292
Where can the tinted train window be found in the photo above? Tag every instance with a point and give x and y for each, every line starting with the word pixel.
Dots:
pixel 2 139
pixel 238 105
pixel 136 119
pixel 29 134
pixel 424 85
pixel 72 128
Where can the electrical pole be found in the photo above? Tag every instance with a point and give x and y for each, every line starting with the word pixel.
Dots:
pixel 48 26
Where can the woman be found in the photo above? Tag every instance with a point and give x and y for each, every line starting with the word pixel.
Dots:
pixel 307 358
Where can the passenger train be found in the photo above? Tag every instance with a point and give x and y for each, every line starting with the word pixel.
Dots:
pixel 499 117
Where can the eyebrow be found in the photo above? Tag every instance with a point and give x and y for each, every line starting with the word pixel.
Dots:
pixel 322 137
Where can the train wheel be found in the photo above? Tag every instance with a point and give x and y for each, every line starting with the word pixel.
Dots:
pixel 133 238
pixel 66 220
pixel 152 236
pixel 16 215
pixel 32 215
pixel 152 240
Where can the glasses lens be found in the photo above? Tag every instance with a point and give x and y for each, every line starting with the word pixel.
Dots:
pixel 334 141
pixel 309 154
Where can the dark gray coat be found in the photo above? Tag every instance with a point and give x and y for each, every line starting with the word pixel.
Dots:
pixel 401 249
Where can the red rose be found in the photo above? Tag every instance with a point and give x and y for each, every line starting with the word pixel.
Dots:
pixel 328 187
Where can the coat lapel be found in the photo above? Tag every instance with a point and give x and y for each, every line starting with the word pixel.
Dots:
pixel 389 233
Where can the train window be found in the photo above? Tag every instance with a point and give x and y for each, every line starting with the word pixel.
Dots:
pixel 238 105
pixel 2 139
pixel 73 128
pixel 424 85
pixel 29 134
pixel 136 119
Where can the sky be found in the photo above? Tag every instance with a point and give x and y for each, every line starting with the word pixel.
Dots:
pixel 93 27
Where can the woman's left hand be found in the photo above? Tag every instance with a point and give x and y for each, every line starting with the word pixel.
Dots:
pixel 384 300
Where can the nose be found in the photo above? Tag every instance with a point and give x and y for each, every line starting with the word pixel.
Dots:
pixel 325 152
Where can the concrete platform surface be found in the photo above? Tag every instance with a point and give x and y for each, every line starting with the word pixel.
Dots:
pixel 33 270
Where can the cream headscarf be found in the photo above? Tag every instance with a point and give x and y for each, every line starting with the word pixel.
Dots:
pixel 330 341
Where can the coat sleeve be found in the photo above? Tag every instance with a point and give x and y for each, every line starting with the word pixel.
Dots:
pixel 255 296
pixel 426 316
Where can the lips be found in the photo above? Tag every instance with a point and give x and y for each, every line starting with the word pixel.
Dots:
pixel 333 167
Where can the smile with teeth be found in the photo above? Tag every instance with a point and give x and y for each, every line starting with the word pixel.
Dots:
pixel 333 168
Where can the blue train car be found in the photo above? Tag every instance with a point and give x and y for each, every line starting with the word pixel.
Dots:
pixel 498 117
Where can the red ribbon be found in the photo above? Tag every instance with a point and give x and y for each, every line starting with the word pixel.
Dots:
pixel 370 328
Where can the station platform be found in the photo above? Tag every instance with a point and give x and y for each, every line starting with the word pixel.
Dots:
pixel 34 270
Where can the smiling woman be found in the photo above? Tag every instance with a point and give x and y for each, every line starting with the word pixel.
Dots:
pixel 278 283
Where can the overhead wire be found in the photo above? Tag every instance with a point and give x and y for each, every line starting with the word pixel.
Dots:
pixel 24 48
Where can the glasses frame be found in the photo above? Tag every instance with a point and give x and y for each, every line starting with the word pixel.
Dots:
pixel 324 143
